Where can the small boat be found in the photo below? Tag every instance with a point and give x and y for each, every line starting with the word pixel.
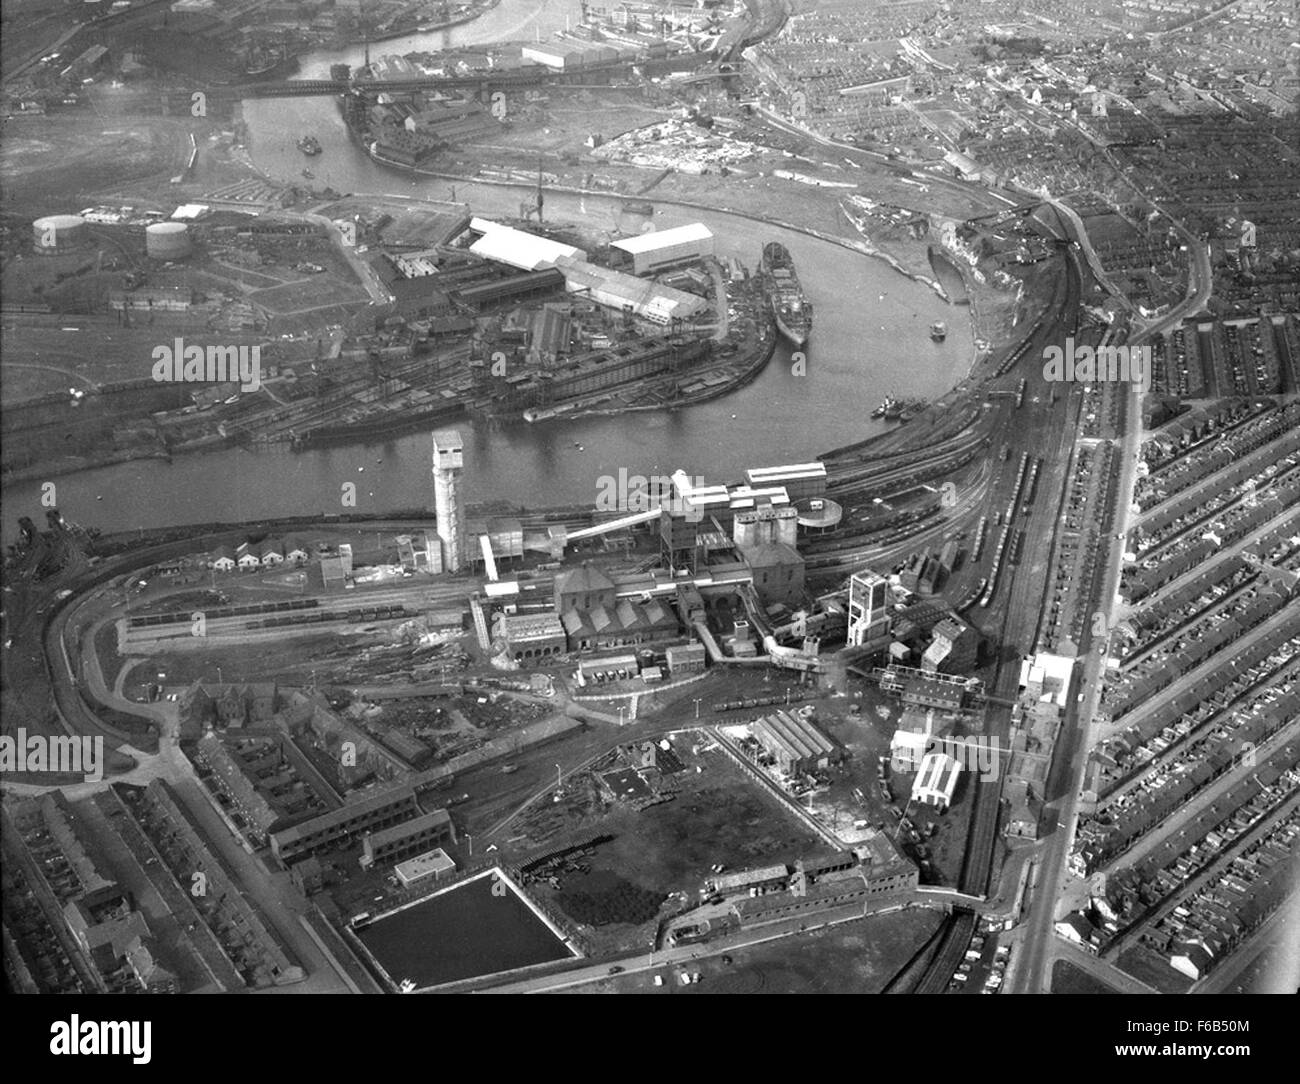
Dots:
pixel 309 145
pixel 938 331
pixel 406 986
pixel 309 174
pixel 889 403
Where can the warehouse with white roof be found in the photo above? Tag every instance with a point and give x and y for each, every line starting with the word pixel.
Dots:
pixel 936 781
pixel 526 251
pixel 650 300
pixel 660 249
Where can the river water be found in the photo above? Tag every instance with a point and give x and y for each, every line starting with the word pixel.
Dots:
pixel 870 339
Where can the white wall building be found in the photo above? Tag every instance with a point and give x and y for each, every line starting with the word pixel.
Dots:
pixel 936 782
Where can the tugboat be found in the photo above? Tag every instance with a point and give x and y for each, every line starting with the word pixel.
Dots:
pixel 785 296
pixel 893 410
pixel 885 407
pixel 938 331
pixel 309 145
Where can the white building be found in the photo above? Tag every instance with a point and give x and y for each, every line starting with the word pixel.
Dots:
pixel 1045 683
pixel 659 249
pixel 910 741
pixel 616 290
pixel 423 866
pixel 936 782
pixel 868 608
pixel 526 251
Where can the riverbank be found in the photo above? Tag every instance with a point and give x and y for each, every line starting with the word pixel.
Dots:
pixel 482 7
pixel 77 464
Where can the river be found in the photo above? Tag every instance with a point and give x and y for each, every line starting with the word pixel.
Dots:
pixel 870 339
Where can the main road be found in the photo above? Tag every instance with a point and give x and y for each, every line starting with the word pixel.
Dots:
pixel 1033 973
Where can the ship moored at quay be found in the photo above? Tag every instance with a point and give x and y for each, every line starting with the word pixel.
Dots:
pixel 785 297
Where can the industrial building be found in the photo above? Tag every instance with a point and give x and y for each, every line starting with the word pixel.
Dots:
pixel 152 299
pixel 868 609
pixel 794 743
pixel 564 56
pixel 526 251
pixel 531 638
pixel 419 869
pixel 607 668
pixel 595 619
pixel 627 293
pixel 936 781
pixel 778 571
pixel 583 588
pixel 491 540
pixel 650 253
pixel 799 480
pixel 1045 684
pixel 448 460
pixel 954 649
pixel 871 869
pixel 625 624
pixel 934 692
pixel 913 736
pixel 686 659
pixel 339 827
pixel 765 526
pixel 751 881
pixel 407 838
pixel 525 287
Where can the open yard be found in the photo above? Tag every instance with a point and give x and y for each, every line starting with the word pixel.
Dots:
pixel 717 816
pixel 858 957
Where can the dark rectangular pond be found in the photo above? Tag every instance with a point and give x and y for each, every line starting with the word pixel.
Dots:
pixel 462 933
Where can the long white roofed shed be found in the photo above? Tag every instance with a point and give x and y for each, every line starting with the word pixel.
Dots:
pixel 662 248
pixel 526 251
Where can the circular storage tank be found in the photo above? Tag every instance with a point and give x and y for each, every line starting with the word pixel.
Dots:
pixel 167 241
pixel 58 233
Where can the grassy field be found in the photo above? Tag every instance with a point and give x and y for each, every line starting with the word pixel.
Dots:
pixel 858 957
pixel 1068 979
pixel 1145 966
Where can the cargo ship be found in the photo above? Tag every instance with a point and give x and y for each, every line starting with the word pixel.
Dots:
pixel 268 66
pixel 785 296
pixel 309 145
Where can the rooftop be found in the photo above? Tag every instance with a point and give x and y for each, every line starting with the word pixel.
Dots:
pixel 657 239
